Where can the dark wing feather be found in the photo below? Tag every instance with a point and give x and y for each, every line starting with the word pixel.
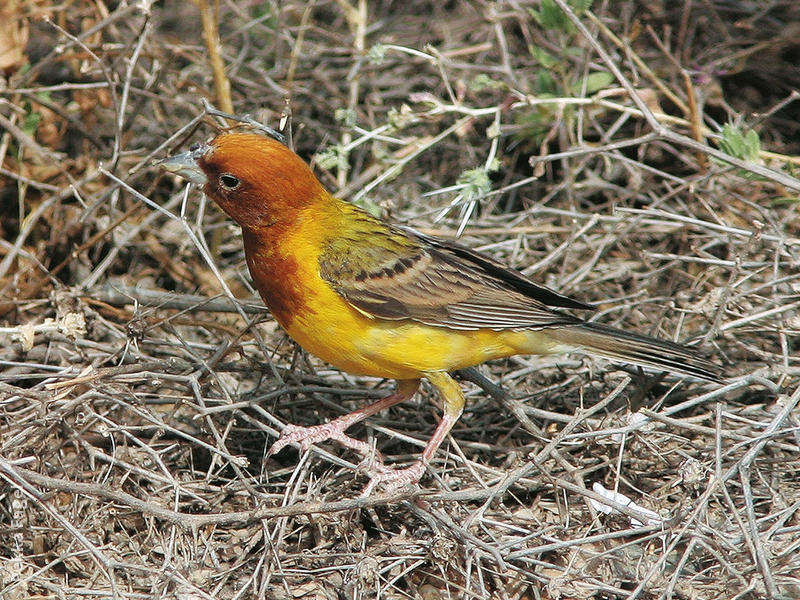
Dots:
pixel 438 283
pixel 513 278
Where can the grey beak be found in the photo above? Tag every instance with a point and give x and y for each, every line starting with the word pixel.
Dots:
pixel 185 164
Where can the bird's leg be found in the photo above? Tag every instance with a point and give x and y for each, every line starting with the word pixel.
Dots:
pixel 334 430
pixel 454 401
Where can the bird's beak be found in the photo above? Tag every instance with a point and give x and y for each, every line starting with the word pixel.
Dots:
pixel 185 164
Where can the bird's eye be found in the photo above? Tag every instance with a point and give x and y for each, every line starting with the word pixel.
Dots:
pixel 228 181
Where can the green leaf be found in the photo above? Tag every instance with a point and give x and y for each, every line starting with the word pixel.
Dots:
pixel 544 58
pixel 476 183
pixel 580 6
pixel 550 17
pixel 745 146
pixel 598 80
pixel 345 117
pixel 333 157
pixel 482 81
pixel 734 142
pixel 376 54
pixel 31 121
pixel 752 145
pixel 545 84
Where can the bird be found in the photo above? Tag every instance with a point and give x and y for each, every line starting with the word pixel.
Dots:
pixel 383 300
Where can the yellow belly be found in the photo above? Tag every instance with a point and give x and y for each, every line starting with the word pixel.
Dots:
pixel 334 331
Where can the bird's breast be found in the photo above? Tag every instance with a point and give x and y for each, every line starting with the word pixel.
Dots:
pixel 279 280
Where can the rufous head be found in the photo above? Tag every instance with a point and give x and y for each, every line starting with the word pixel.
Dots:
pixel 257 180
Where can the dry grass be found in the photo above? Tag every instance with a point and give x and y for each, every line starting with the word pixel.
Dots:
pixel 137 397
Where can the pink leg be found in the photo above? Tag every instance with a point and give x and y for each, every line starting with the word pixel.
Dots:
pixel 454 400
pixel 334 430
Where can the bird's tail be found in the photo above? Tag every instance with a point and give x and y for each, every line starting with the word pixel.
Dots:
pixel 642 350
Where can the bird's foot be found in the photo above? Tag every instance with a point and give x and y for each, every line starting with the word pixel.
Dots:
pixel 308 436
pixel 387 478
pixel 391 479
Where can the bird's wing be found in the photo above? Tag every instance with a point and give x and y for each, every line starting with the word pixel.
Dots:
pixel 396 273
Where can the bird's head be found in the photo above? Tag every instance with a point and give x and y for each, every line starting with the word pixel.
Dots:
pixel 258 181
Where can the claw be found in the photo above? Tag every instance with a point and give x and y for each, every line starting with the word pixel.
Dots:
pixel 308 436
pixel 391 480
